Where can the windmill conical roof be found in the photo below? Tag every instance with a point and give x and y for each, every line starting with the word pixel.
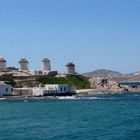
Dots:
pixel 70 64
pixel 2 59
pixel 23 60
pixel 45 60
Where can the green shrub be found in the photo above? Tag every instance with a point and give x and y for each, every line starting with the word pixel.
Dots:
pixel 75 81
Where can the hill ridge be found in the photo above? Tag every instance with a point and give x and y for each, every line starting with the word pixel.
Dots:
pixel 114 75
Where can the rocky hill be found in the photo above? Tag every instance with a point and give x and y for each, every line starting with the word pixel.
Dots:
pixel 113 75
pixel 103 73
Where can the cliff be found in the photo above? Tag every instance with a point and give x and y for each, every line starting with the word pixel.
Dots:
pixel 104 85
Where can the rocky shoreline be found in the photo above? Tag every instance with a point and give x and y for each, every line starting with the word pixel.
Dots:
pixel 105 85
pixel 83 92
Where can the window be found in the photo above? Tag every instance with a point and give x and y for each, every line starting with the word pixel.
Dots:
pixel 61 89
pixel 65 89
pixel 6 89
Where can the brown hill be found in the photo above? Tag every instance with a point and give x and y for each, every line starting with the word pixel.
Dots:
pixel 113 75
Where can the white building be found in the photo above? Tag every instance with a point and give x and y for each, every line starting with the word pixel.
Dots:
pixel 38 91
pixel 53 89
pixel 23 65
pixel 2 64
pixel 46 66
pixel 22 92
pixel 5 90
pixel 57 88
pixel 70 68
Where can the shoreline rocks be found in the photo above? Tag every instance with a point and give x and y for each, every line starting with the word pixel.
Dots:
pixel 105 85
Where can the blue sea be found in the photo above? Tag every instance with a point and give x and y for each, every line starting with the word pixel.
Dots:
pixel 100 117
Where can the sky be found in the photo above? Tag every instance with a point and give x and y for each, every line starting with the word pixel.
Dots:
pixel 94 34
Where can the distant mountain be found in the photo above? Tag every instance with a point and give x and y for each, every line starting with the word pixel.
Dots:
pixel 113 75
pixel 103 73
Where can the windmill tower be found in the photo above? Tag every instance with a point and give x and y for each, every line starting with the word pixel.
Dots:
pixel 23 65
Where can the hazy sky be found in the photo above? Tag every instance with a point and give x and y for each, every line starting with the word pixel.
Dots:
pixel 93 34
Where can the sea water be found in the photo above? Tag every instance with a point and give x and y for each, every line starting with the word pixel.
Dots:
pixel 103 117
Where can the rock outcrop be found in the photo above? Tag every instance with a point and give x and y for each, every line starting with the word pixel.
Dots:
pixel 104 85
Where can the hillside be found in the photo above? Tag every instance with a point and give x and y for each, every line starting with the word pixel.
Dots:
pixel 75 81
pixel 113 75
pixel 103 73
